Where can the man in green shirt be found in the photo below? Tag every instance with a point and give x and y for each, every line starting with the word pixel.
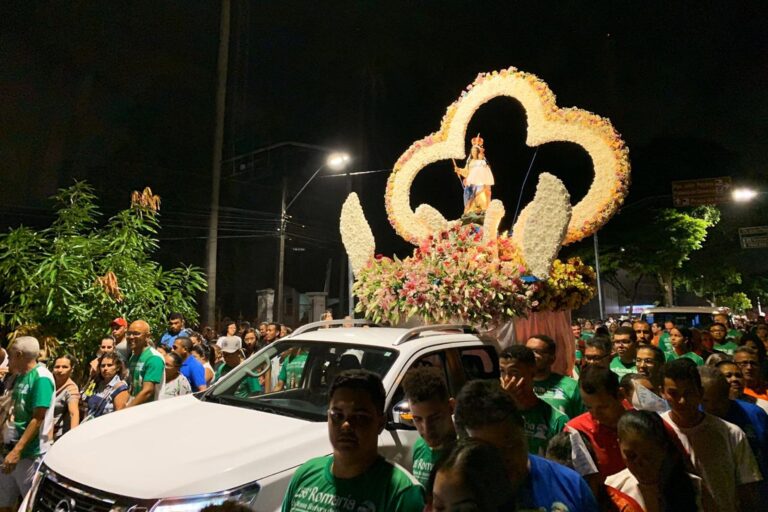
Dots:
pixel 146 366
pixel 355 476
pixel 232 353
pixel 541 420
pixel 432 411
pixel 27 436
pixel 732 334
pixel 625 346
pixel 291 370
pixel 557 390
pixel 722 344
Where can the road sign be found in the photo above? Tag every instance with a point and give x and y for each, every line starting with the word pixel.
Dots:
pixel 755 237
pixel 700 192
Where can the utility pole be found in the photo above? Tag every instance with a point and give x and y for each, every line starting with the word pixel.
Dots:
pixel 599 284
pixel 350 274
pixel 278 306
pixel 209 316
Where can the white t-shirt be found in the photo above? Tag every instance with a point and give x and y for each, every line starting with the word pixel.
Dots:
pixel 626 482
pixel 722 456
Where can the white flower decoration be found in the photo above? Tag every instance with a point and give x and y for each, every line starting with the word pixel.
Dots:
pixel 356 234
pixel 546 224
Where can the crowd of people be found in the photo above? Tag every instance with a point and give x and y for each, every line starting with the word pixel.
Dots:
pixel 39 403
pixel 639 426
pixel 653 418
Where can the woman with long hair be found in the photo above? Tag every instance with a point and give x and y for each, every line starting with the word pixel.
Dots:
pixel 680 339
pixel 66 407
pixel 109 392
pixel 202 353
pixel 656 476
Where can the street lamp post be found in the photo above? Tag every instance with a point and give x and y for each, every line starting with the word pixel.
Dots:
pixel 336 161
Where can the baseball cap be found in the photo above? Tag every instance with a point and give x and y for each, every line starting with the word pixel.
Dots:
pixel 230 344
pixel 119 321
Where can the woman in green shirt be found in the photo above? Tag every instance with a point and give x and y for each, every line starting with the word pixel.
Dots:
pixel 680 340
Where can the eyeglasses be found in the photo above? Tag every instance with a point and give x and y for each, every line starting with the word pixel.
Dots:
pixel 744 364
pixel 645 360
pixel 642 331
pixel 355 420
pixel 595 359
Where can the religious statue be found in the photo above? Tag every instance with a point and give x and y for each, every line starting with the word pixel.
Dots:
pixel 476 178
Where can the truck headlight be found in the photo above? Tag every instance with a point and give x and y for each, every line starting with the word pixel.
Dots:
pixel 244 495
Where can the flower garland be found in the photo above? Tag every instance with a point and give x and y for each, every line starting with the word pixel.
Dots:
pixel 546 123
pixel 453 275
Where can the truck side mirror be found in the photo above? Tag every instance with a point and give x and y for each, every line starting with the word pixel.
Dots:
pixel 401 416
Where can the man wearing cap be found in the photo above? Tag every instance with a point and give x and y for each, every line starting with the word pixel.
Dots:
pixel 119 327
pixel 146 365
pixel 27 436
pixel 232 352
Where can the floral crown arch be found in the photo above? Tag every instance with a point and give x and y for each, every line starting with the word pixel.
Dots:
pixel 511 275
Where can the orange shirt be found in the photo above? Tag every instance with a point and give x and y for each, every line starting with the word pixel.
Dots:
pixel 761 392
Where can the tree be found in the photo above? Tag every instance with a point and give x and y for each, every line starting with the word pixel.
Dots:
pixel 737 302
pixel 66 282
pixel 653 243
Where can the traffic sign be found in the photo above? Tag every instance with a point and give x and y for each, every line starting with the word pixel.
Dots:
pixel 755 237
pixel 701 192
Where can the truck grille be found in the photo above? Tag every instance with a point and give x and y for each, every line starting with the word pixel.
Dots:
pixel 56 493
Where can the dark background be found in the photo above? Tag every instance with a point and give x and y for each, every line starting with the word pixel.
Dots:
pixel 122 94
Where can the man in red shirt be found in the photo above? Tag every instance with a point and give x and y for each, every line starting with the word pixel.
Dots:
pixel 605 404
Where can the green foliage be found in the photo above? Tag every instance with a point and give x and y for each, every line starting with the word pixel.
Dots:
pixel 738 302
pixel 654 243
pixel 52 277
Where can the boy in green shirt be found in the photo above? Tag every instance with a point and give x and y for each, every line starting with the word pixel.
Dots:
pixel 28 435
pixel 432 411
pixel 541 420
pixel 146 366
pixel 719 334
pixel 231 351
pixel 291 370
pixel 557 390
pixel 355 476
pixel 625 346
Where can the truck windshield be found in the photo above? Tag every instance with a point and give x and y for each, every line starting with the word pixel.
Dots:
pixel 292 377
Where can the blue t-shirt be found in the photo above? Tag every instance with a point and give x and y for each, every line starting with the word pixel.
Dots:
pixel 551 486
pixel 168 339
pixel 754 422
pixel 194 371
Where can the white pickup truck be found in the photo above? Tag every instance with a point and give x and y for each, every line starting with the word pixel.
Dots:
pixel 189 452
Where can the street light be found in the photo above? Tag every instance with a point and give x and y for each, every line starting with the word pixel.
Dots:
pixel 743 194
pixel 336 161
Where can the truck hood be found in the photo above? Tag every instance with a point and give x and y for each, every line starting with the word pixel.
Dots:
pixel 183 447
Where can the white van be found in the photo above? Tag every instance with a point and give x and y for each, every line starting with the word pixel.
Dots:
pixel 690 316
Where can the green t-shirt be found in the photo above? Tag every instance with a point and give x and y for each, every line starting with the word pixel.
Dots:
pixel 248 386
pixel 693 356
pixel 733 335
pixel 147 367
pixel 542 422
pixel 424 459
pixel 384 487
pixel 729 347
pixel 664 344
pixel 31 391
pixel 621 369
pixel 291 370
pixel 560 392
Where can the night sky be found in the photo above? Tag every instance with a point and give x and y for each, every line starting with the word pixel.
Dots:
pixel 122 94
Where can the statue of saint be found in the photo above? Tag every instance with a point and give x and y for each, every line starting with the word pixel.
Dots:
pixel 476 178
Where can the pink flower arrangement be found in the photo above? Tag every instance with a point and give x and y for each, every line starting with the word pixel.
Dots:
pixel 453 276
